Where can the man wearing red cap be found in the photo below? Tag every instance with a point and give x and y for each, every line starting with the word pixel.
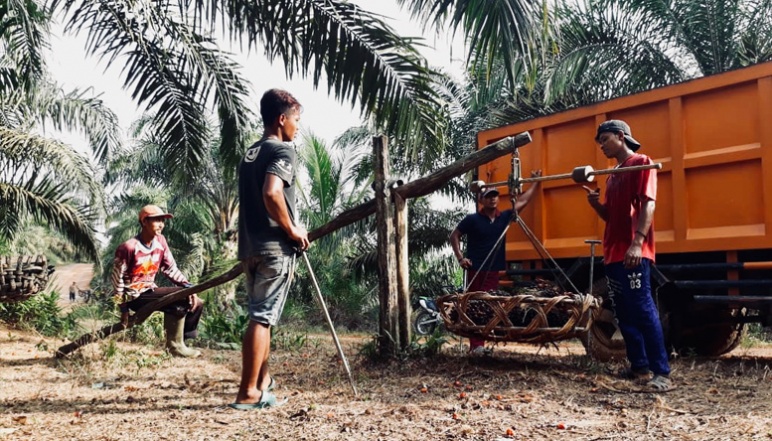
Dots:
pixel 628 252
pixel 136 263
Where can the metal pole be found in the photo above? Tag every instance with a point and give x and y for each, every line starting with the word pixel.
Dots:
pixel 592 261
pixel 329 322
pixel 609 171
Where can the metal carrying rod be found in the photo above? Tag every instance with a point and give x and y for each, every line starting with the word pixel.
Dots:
pixel 579 175
pixel 329 322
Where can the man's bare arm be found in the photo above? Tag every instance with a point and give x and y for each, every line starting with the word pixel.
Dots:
pixel 273 197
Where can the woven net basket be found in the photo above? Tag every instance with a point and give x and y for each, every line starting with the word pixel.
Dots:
pixel 21 277
pixel 531 317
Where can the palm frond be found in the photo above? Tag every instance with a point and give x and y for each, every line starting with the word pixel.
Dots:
pixel 170 69
pixel 755 36
pixel 498 29
pixel 75 111
pixel 24 155
pixel 23 31
pixel 606 51
pixel 49 204
pixel 707 30
pixel 364 61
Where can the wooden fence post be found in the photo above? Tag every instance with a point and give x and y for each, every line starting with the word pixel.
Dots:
pixel 403 269
pixel 387 262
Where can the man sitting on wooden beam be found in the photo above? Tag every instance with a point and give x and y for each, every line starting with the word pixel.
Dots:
pixel 136 263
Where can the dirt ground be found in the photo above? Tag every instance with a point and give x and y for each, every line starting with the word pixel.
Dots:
pixel 62 278
pixel 120 391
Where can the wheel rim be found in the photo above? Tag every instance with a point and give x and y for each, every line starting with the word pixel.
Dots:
pixel 425 324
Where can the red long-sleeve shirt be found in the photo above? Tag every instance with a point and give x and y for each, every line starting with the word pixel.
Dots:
pixel 136 265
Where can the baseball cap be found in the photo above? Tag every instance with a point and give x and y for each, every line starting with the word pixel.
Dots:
pixel 490 192
pixel 617 125
pixel 153 211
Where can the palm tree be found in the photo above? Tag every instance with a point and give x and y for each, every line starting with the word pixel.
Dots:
pixel 336 182
pixel 42 179
pixel 174 69
pixel 613 48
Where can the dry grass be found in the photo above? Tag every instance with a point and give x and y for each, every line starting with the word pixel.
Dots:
pixel 119 391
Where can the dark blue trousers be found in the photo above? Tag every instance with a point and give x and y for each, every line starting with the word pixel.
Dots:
pixel 637 316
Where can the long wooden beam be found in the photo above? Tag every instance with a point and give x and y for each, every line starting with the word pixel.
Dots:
pixel 427 184
pixel 417 188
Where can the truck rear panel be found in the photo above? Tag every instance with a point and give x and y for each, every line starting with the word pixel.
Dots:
pixel 713 136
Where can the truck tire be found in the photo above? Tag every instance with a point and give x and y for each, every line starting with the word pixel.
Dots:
pixel 424 324
pixel 709 331
pixel 603 341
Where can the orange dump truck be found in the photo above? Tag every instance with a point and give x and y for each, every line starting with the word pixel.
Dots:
pixel 713 217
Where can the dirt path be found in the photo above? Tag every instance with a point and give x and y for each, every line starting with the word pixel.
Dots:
pixel 62 278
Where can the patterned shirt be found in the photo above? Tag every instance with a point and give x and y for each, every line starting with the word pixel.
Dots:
pixel 135 266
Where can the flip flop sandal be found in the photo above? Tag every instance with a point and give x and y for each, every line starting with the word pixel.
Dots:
pixel 660 384
pixel 271 385
pixel 635 375
pixel 266 400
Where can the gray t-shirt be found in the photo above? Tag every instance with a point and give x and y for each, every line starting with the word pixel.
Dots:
pixel 258 233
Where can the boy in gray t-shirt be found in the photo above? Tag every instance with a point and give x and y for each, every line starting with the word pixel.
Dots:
pixel 268 240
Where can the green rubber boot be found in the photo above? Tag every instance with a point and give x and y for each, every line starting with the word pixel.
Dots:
pixel 175 344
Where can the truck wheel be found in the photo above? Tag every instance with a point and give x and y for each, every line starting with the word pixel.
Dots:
pixel 425 324
pixel 603 341
pixel 709 331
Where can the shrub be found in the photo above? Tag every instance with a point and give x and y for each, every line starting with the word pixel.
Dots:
pixel 224 327
pixel 41 313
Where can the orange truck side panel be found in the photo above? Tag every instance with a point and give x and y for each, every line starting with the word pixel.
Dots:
pixel 713 136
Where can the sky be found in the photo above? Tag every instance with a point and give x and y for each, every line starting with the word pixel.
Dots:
pixel 323 115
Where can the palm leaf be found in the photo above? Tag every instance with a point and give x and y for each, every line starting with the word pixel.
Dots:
pixel 494 29
pixel 755 36
pixel 48 203
pixel 72 111
pixel 363 59
pixel 606 50
pixel 23 28
pixel 170 69
pixel 24 155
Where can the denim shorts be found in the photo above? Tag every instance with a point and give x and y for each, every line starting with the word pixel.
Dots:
pixel 268 282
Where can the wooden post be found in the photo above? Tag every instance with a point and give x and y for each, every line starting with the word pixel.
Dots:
pixel 403 270
pixel 387 281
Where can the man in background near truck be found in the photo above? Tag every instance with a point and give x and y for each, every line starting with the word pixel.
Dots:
pixel 73 291
pixel 482 230
pixel 628 253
